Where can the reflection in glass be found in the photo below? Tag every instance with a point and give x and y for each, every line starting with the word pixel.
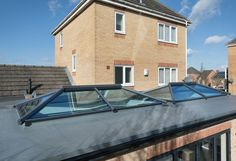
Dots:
pixel 119 75
pixel 73 102
pixel 166 158
pixel 206 150
pixel 187 153
pixel 206 91
pixel 122 98
pixel 184 93
pixel 162 93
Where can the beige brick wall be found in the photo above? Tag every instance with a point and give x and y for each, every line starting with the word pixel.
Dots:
pixel 91 34
pixel 232 68
pixel 139 45
pixel 79 35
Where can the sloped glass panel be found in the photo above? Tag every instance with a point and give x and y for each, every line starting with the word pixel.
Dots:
pixel 73 102
pixel 181 93
pixel 162 93
pixel 121 98
pixel 208 92
pixel 28 106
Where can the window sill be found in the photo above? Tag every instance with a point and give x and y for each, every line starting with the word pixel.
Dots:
pixel 120 33
pixel 170 44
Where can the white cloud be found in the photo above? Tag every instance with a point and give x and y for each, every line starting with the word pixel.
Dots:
pixel 74 1
pixel 54 6
pixel 216 39
pixel 190 52
pixel 203 10
pixel 184 6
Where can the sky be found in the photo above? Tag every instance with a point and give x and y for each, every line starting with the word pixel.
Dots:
pixel 26 27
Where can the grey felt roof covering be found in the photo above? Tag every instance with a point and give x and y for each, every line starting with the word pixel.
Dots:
pixel 75 136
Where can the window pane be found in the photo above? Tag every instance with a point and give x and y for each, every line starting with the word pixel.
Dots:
pixel 167 33
pixel 73 102
pixel 221 145
pixel 161 32
pixel 188 153
pixel 173 34
pixel 128 75
pixel 165 158
pixel 206 91
pixel 118 75
pixel 73 62
pixel 161 76
pixel 163 93
pixel 122 98
pixel 167 75
pixel 173 75
pixel 206 150
pixel 119 22
pixel 183 93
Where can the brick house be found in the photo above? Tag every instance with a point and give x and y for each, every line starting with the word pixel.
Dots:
pixel 140 44
pixel 232 65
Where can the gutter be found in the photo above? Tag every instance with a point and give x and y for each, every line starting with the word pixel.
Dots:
pixel 83 4
pixel 231 45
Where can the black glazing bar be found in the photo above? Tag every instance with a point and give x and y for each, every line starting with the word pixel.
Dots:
pixel 171 93
pixel 105 100
pixel 194 90
pixel 139 93
pixel 90 87
pixel 39 107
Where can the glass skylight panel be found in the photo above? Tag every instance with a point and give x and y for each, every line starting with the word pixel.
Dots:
pixel 162 93
pixel 121 98
pixel 28 106
pixel 208 92
pixel 72 103
pixel 181 93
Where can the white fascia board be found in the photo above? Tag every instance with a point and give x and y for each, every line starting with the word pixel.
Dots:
pixel 133 7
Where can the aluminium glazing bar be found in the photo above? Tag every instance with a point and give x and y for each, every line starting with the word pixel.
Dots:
pixel 105 100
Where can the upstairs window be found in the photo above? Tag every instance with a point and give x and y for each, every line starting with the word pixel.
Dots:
pixel 73 64
pixel 124 75
pixel 120 22
pixel 61 39
pixel 167 33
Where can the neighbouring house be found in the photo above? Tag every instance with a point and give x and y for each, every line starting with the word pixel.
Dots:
pixel 218 80
pixel 206 76
pixel 137 43
pixel 193 74
pixel 232 65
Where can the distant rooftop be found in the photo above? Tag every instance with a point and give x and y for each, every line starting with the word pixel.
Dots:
pixel 192 70
pixel 232 43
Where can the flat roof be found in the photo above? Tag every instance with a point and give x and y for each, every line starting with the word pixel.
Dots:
pixel 99 134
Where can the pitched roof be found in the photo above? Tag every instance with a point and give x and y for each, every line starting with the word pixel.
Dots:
pixel 219 75
pixel 149 7
pixel 154 5
pixel 232 43
pixel 192 70
pixel 205 73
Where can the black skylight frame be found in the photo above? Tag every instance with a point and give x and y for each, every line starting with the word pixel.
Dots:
pixel 187 85
pixel 28 120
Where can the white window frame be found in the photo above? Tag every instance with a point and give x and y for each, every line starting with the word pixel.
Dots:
pixel 73 62
pixel 123 23
pixel 61 39
pixel 123 72
pixel 170 33
pixel 164 69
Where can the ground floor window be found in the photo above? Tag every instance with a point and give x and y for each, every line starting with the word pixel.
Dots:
pixel 214 148
pixel 166 75
pixel 124 75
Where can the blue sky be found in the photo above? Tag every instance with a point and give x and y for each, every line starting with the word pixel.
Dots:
pixel 26 25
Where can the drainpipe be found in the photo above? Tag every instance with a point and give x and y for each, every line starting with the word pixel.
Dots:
pixel 186 54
